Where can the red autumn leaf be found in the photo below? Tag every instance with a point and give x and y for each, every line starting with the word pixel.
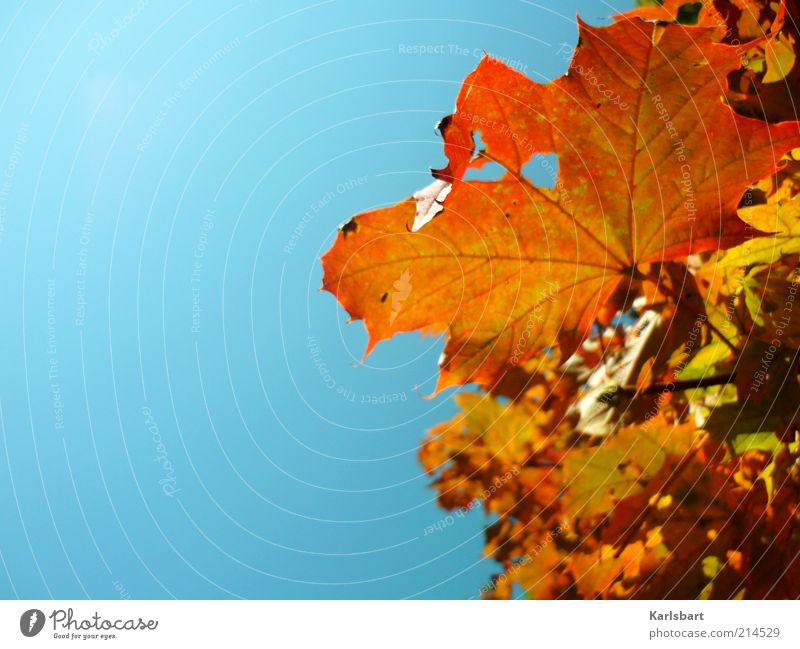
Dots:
pixel 652 165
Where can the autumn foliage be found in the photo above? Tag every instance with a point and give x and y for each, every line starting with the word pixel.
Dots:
pixel 634 327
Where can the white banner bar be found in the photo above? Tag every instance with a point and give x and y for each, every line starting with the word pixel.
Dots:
pixel 401 624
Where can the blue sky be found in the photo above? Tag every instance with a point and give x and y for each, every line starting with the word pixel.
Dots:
pixel 183 413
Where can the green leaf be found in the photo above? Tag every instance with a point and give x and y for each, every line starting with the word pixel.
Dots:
pixel 780 215
pixel 705 363
pixel 772 295
pixel 745 427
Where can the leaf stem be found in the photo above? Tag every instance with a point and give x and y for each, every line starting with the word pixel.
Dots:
pixel 679 386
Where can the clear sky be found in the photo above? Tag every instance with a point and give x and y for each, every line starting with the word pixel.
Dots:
pixel 183 413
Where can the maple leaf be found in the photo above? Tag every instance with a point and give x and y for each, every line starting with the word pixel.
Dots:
pixel 596 478
pixel 768 86
pixel 771 206
pixel 693 490
pixel 652 165
pixel 491 443
pixel 539 575
pixel 488 431
pixel 773 299
pixel 780 57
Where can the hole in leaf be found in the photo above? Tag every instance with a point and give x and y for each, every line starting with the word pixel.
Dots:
pixel 689 13
pixel 542 170
pixel 490 171
pixel 487 171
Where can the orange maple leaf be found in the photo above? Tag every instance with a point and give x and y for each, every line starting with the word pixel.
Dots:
pixel 652 166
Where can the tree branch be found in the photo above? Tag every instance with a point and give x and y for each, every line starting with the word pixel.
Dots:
pixel 679 386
